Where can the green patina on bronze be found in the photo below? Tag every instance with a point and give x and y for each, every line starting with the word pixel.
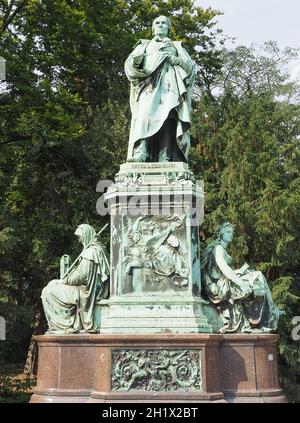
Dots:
pixel 69 303
pixel 156 370
pixel 161 74
pixel 243 297
pixel 155 283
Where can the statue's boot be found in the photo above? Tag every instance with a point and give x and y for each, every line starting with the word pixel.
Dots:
pixel 140 152
pixel 163 156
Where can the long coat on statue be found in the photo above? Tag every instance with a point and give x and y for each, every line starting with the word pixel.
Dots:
pixel 157 87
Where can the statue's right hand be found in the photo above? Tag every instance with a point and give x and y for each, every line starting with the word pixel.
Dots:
pixel 173 60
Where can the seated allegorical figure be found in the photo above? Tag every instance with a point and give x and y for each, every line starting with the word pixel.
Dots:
pixel 242 296
pixel 69 303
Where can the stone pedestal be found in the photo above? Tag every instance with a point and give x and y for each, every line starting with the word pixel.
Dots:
pixel 249 368
pixel 192 368
pixel 156 210
pixel 155 342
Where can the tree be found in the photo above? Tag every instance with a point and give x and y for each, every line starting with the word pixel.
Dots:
pixel 248 138
pixel 65 121
pixel 10 10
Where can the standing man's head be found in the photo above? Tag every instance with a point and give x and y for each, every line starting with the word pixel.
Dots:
pixel 161 26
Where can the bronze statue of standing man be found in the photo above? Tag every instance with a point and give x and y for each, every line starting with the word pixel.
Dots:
pixel 161 74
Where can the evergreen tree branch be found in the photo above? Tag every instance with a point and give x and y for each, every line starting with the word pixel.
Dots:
pixel 11 14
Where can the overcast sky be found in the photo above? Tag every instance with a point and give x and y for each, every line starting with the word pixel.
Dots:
pixel 256 21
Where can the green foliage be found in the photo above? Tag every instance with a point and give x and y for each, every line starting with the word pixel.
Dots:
pixel 14 389
pixel 19 326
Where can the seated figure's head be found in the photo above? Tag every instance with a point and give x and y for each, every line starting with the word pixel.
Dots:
pixel 225 232
pixel 161 26
pixel 86 234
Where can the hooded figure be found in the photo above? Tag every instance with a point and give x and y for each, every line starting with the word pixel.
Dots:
pixel 69 303
pixel 161 74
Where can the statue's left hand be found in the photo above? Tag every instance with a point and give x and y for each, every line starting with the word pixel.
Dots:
pixel 174 60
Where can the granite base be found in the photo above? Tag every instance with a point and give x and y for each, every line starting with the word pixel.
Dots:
pixel 230 368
